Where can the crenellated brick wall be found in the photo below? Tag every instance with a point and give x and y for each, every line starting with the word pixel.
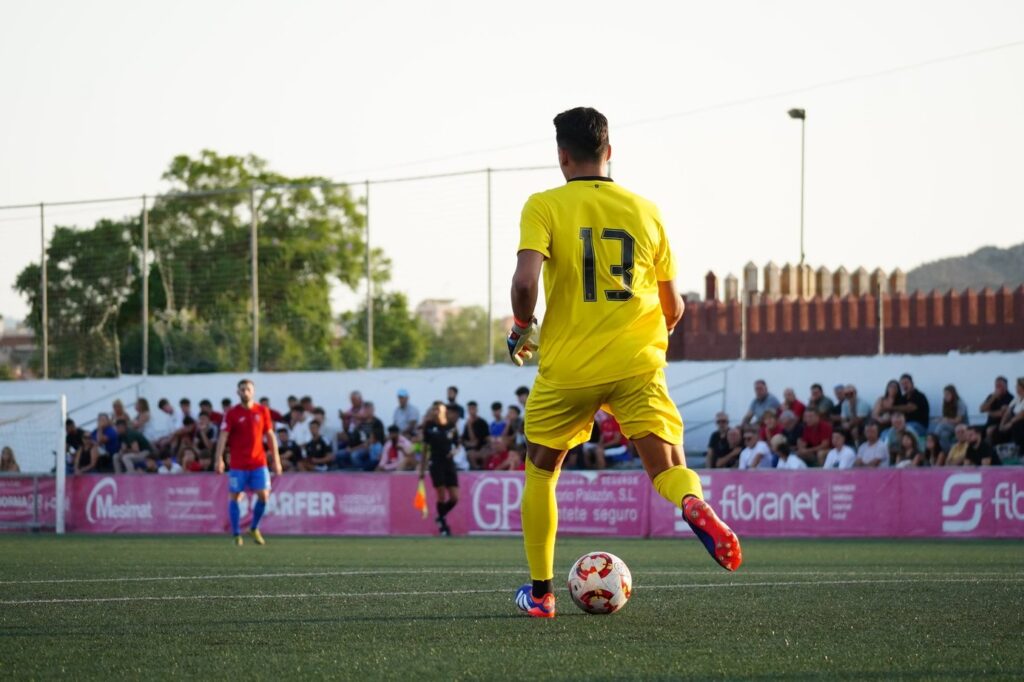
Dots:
pixel 785 325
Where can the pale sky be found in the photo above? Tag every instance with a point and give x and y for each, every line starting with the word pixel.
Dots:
pixel 901 168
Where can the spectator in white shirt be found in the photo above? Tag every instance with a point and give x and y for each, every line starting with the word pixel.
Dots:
pixel 406 417
pixel 298 425
pixel 164 424
pixel 781 447
pixel 755 454
pixel 841 456
pixel 873 452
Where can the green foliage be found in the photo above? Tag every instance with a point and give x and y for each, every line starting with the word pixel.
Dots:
pixel 399 337
pixel 461 341
pixel 310 235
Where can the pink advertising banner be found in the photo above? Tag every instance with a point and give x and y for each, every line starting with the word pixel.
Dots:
pixel 27 500
pixel 889 503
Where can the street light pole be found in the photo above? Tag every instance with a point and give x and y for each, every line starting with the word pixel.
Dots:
pixel 802 115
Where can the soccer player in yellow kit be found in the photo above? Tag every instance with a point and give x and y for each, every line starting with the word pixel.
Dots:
pixel 609 281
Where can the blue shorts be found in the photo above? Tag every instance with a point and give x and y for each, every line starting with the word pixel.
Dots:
pixel 253 479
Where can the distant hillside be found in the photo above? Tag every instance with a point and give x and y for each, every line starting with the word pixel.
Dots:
pixel 987 267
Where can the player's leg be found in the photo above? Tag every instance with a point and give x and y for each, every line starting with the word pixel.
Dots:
pixel 649 417
pixel 558 421
pixel 259 483
pixel 441 505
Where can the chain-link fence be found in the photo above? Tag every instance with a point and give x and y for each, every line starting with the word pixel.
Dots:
pixel 271 276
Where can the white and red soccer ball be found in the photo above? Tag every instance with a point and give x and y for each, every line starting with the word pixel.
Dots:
pixel 600 583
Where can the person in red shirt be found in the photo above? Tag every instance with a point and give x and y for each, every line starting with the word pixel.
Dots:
pixel 816 439
pixel 246 425
pixel 613 446
pixel 790 402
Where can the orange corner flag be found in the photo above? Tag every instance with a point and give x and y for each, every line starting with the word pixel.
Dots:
pixel 419 501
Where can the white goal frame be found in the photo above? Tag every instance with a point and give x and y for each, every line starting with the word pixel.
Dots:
pixel 59 463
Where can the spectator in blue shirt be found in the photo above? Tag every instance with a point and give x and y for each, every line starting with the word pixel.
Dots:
pixel 763 400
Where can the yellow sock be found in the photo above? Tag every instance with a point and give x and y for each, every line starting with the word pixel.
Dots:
pixel 676 483
pixel 540 521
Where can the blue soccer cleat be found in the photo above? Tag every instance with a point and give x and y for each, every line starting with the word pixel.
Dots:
pixel 545 608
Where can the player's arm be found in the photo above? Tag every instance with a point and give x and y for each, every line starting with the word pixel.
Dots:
pixel 672 304
pixel 274 452
pixel 218 458
pixel 522 339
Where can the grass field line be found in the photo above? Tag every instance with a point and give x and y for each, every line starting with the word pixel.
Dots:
pixel 433 571
pixel 429 593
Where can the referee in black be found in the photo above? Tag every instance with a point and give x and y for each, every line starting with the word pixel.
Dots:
pixel 439 441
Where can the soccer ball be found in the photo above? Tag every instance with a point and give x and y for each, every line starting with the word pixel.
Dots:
pixel 600 583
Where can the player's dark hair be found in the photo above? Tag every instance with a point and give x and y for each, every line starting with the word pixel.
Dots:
pixel 583 133
pixel 244 382
pixel 495 405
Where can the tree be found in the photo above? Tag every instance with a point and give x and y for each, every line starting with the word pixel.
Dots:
pixel 399 337
pixel 461 341
pixel 90 275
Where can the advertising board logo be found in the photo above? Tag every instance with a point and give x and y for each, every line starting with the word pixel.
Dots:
pixel 102 505
pixel 968 500
pixel 494 514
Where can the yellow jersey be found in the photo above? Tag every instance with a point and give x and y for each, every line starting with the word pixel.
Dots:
pixel 605 251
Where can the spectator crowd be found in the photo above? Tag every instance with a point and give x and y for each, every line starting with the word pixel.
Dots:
pixel 899 429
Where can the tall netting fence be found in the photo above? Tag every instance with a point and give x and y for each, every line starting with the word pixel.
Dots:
pixel 275 277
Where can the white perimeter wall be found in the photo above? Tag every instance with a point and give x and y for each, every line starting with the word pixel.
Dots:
pixel 730 382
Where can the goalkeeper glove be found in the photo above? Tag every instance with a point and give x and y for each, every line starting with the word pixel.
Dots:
pixel 522 341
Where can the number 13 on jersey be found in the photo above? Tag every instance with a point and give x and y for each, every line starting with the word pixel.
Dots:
pixel 623 269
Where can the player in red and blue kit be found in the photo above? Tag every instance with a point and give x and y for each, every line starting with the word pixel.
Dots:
pixel 245 427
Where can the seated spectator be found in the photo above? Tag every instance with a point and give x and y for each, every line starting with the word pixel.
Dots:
pixel 406 416
pixel 1012 422
pixel 835 415
pixel 957 454
pixel 194 462
pixel 330 433
pixel 755 454
pixel 933 455
pixel 143 422
pixel 613 447
pixel 106 443
pixel 134 449
pixel 371 430
pixel 979 452
pixel 355 399
pixel 763 400
pixel 510 437
pixel 476 437
pixel 275 416
pixel 184 437
pixel 894 434
pixel 290 451
pixel 873 452
pixel 8 463
pixel 816 438
pixel 206 433
pixel 298 424
pixel 164 424
pixel 307 406
pixel 117 412
pixel 351 438
pixel 225 405
pixel 455 411
pixel 909 452
pixel 994 406
pixel 72 437
pixel 841 456
pixel 206 407
pixel 168 465
pixel 731 459
pixel 718 444
pixel 954 411
pixel 497 423
pixel 819 402
pixel 319 454
pixel 783 450
pixel 914 406
pixel 790 402
pixel 769 426
pixel 184 410
pixel 397 454
pixel 792 427
pixel 883 410
pixel 853 413
pixel 86 458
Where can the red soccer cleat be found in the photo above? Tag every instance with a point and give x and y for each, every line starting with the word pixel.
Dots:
pixel 537 608
pixel 721 543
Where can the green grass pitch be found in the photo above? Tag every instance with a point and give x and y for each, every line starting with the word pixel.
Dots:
pixel 432 608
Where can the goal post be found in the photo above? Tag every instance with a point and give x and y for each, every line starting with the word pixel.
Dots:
pixel 32 426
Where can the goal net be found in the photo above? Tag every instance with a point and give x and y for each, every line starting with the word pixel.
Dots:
pixel 32 428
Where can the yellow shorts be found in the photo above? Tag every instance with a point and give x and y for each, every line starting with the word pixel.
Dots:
pixel 562 418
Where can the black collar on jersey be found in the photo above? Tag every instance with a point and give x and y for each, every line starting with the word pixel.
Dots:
pixel 589 178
